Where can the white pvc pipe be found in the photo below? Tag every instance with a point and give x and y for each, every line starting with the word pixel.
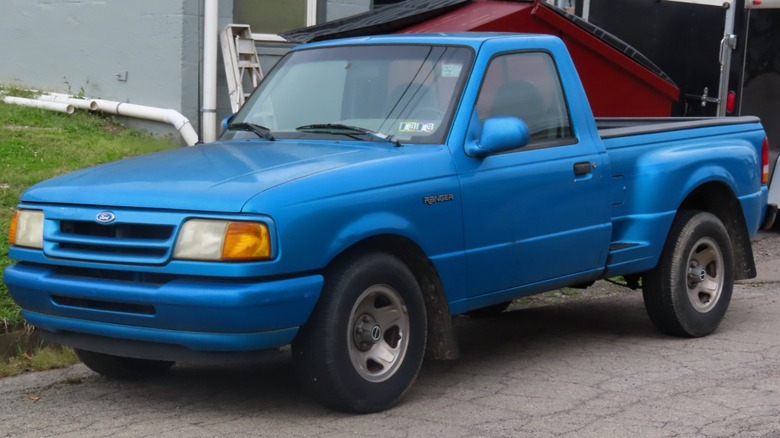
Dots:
pixel 53 106
pixel 77 103
pixel 210 31
pixel 311 12
pixel 172 117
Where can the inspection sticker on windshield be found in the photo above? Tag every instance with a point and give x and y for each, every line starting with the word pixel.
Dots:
pixel 417 127
pixel 451 70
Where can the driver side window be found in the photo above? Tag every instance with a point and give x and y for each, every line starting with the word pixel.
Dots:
pixel 526 85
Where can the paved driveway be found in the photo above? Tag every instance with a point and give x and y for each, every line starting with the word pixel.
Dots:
pixel 587 366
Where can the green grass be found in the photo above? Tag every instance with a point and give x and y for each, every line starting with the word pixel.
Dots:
pixel 40 359
pixel 36 145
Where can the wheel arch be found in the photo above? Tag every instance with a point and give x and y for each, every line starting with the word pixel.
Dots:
pixel 719 199
pixel 442 343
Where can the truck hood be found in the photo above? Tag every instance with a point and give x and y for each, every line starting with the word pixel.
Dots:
pixel 218 177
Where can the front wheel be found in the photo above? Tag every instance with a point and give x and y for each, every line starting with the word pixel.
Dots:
pixel 122 368
pixel 363 345
pixel 689 291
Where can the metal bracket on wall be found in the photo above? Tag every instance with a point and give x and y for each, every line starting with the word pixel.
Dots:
pixel 242 65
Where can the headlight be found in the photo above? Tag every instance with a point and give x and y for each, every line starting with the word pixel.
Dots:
pixel 201 239
pixel 26 229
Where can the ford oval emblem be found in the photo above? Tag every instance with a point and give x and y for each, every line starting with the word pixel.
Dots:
pixel 105 217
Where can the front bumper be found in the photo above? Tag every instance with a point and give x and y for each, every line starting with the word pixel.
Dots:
pixel 201 315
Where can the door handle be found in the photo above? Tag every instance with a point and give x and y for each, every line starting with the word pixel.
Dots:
pixel 583 168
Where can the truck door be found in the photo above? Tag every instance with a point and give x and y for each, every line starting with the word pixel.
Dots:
pixel 539 214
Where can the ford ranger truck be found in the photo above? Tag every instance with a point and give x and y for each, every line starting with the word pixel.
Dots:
pixel 369 190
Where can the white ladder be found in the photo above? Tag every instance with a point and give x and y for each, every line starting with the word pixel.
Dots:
pixel 242 65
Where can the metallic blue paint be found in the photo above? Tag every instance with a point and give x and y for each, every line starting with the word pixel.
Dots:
pixel 192 340
pixel 499 134
pixel 184 305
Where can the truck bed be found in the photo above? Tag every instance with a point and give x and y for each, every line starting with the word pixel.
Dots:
pixel 649 156
pixel 611 127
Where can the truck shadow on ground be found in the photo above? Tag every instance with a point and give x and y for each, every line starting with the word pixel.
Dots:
pixel 621 315
pixel 550 331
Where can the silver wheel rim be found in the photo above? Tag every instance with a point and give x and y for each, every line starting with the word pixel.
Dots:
pixel 378 335
pixel 705 275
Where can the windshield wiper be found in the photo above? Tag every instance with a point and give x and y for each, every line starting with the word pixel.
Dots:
pixel 260 130
pixel 338 128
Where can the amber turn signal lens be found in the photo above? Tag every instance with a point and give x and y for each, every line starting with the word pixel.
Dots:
pixel 12 229
pixel 246 241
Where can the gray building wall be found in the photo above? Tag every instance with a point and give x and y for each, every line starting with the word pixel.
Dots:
pixel 142 51
pixel 336 9
pixel 147 52
pixel 56 45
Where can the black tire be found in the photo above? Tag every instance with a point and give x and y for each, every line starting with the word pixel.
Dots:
pixel 689 291
pixel 122 368
pixel 363 344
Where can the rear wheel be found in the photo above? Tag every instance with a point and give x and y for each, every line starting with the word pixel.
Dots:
pixel 689 291
pixel 364 342
pixel 122 368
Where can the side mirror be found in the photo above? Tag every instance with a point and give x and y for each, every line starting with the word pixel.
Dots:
pixel 226 121
pixel 500 134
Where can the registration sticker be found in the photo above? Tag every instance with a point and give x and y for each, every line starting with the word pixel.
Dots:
pixel 417 127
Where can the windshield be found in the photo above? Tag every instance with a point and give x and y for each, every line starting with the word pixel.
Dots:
pixel 404 93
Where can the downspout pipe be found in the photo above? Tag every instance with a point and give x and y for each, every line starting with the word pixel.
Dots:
pixel 34 103
pixel 209 109
pixel 172 117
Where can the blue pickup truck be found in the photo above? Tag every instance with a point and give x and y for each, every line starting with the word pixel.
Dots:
pixel 368 191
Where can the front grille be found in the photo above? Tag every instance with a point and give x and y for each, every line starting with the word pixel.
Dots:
pixel 149 278
pixel 132 242
pixel 109 306
pixel 128 231
pixel 111 250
